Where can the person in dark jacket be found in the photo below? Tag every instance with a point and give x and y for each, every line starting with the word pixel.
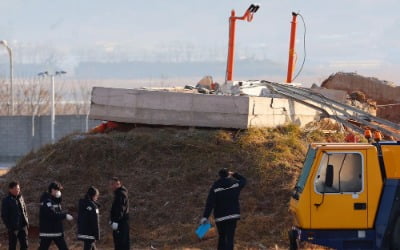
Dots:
pixel 223 198
pixel 88 219
pixel 51 218
pixel 119 218
pixel 15 217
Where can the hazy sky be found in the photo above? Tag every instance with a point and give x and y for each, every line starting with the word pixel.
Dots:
pixel 342 35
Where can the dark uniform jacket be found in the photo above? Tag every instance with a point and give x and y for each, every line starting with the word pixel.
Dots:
pixel 88 220
pixel 120 206
pixel 223 197
pixel 51 216
pixel 14 213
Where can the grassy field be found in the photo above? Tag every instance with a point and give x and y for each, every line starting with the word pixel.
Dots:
pixel 168 172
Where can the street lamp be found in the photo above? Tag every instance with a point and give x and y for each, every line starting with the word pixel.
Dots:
pixel 52 120
pixel 5 44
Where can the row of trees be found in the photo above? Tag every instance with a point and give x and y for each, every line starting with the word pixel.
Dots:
pixel 32 96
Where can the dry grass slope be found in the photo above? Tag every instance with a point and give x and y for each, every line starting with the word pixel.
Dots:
pixel 168 172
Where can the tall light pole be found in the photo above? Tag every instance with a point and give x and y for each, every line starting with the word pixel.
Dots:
pixel 53 117
pixel 5 44
pixel 292 52
pixel 248 16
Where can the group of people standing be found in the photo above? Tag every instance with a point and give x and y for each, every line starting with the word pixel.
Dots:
pixel 223 199
pixel 51 217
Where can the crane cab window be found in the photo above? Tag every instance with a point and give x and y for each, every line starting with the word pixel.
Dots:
pixel 340 173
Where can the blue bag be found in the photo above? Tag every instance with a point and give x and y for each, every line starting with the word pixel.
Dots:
pixel 202 230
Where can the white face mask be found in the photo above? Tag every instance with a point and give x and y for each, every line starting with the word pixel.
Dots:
pixel 58 194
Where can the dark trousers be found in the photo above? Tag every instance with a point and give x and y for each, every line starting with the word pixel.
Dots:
pixel 89 245
pixel 45 243
pixel 226 234
pixel 18 235
pixel 121 236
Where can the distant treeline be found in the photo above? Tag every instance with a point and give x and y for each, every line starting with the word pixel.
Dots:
pixel 140 69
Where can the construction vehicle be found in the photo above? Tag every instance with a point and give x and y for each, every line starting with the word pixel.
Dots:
pixel 348 196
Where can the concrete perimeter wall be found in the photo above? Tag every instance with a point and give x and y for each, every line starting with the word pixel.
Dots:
pixel 19 135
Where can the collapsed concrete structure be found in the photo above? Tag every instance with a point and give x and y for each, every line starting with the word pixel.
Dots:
pixel 180 107
pixel 245 104
pixel 385 95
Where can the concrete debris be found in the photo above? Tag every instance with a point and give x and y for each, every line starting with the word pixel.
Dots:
pixel 199 89
pixel 334 94
pixel 379 96
pixel 325 125
pixel 205 86
pixel 246 88
pixel 355 98
pixel 358 96
pixel 203 90
pixel 206 82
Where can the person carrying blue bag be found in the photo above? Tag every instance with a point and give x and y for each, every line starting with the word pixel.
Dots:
pixel 223 198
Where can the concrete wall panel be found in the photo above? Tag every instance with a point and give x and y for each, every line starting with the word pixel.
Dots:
pixel 188 109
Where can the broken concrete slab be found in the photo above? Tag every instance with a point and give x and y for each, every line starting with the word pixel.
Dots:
pixel 383 96
pixel 334 94
pixel 378 90
pixel 189 109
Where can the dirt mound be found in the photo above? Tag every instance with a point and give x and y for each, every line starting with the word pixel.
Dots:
pixel 168 172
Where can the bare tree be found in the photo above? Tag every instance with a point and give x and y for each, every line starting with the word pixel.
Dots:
pixel 32 96
pixel 4 97
pixel 38 98
pixel 81 92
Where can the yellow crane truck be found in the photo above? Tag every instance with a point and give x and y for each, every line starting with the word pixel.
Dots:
pixel 348 196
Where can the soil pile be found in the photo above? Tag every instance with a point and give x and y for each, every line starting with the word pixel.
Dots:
pixel 168 172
